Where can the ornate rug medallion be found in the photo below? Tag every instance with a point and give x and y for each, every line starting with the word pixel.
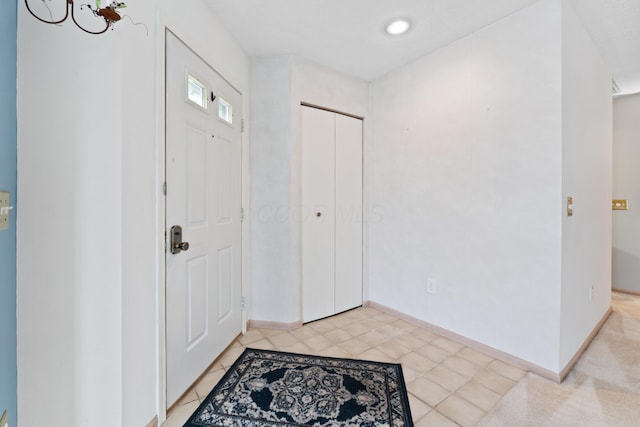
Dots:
pixel 268 389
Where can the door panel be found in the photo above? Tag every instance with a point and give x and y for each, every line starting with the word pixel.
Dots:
pixel 196 169
pixel 225 180
pixel 348 246
pixel 203 172
pixel 197 310
pixel 318 240
pixel 225 283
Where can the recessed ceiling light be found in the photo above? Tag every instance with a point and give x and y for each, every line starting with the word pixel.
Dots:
pixel 398 26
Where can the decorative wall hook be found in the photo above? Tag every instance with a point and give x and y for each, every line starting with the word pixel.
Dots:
pixel 108 15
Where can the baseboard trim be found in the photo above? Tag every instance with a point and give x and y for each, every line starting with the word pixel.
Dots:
pixel 281 326
pixel 625 291
pixel 493 352
pixel 153 422
pixel 563 374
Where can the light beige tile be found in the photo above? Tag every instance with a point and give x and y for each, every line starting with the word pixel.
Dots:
pixel 215 367
pixel 507 370
pixel 435 419
pixel 389 330
pixel 338 336
pixel 479 395
pixel 418 408
pixel 356 329
pixel 322 326
pixel 299 347
pixel 372 322
pixel 462 366
pixel 283 340
pixel 404 325
pixel 304 333
pixel 373 338
pixel 387 318
pixel 409 341
pixel 335 351
pixel 396 351
pixel 494 381
pixel 357 314
pixel 462 412
pixel 475 356
pixel 370 312
pixel 409 374
pixel 424 335
pixel 418 362
pixel 446 378
pixel 251 336
pixel 188 397
pixel 376 355
pixel 435 353
pixel 263 344
pixel 230 356
pixel 270 332
pixel 340 321
pixel 180 415
pixel 207 383
pixel 235 344
pixel 318 343
pixel 355 346
pixel 428 391
pixel 448 345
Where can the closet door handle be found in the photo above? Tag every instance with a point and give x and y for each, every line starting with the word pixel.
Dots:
pixel 319 214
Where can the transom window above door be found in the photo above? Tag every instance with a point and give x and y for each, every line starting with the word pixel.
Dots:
pixel 197 92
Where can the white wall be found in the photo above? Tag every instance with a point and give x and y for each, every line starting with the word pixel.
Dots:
pixel 69 225
pixel 626 185
pixel 90 146
pixel 279 85
pixel 586 176
pixel 466 181
pixel 272 295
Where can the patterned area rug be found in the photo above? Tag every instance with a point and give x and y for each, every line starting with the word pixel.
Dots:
pixel 268 389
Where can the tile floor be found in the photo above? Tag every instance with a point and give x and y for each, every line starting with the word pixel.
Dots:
pixel 448 384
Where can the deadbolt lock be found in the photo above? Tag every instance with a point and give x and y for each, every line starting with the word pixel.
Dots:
pixel 177 245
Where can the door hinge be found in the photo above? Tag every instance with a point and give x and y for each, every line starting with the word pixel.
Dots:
pixel 242 303
pixel 241 214
pixel 164 188
pixel 241 125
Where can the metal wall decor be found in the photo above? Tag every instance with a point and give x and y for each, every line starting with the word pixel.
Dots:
pixel 107 16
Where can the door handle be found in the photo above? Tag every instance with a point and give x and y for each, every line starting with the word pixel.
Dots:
pixel 177 245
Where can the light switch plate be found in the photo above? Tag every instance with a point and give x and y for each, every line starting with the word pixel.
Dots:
pixel 620 205
pixel 4 216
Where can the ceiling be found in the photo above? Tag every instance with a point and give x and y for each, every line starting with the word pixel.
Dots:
pixel 348 35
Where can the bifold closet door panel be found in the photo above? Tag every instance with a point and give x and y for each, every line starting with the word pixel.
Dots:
pixel 348 196
pixel 318 214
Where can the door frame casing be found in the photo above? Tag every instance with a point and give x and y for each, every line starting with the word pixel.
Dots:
pixel 164 24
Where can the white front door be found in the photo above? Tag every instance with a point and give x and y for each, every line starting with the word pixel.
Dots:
pixel 203 197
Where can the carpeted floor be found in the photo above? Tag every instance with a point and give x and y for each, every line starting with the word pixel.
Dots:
pixel 602 390
pixel 276 389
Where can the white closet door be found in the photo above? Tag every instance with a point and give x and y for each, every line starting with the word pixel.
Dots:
pixel 348 223
pixel 318 209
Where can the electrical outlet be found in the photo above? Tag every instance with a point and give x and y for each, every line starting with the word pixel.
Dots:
pixel 4 216
pixel 431 286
